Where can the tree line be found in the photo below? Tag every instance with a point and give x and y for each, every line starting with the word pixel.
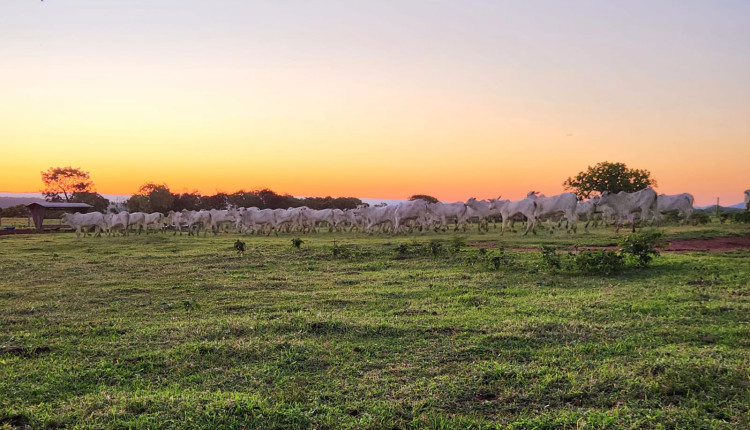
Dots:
pixel 74 185
pixel 158 198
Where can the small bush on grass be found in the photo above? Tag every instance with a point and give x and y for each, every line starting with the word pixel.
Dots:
pixel 435 248
pixel 297 242
pixel 600 262
pixel 699 217
pixel 491 260
pixel 640 247
pixel 550 258
pixel 742 216
pixel 239 246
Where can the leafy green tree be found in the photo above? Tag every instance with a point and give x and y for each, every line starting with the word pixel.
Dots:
pixel 151 197
pixel 190 201
pixel 424 197
pixel 612 177
pixel 17 211
pixel 138 203
pixel 245 199
pixel 60 183
pixel 96 200
pixel 217 201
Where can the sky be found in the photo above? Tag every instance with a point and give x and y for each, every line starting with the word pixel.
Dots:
pixel 376 99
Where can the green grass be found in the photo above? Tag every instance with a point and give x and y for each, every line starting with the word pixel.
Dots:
pixel 181 332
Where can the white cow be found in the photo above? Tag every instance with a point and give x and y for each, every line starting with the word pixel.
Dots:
pixel 747 200
pixel 449 212
pixel 137 220
pixel 682 203
pixel 175 219
pixel 509 209
pixel 482 210
pixel 80 222
pixel 379 216
pixel 564 204
pixel 257 220
pixel 415 210
pixel 154 220
pixel 586 211
pixel 117 221
pixel 195 220
pixel 220 218
pixel 626 205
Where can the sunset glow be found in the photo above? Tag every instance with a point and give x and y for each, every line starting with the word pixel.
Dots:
pixel 375 99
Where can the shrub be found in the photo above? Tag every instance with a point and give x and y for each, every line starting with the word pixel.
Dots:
pixel 550 258
pixel 457 243
pixel 239 246
pixel 402 250
pixel 435 247
pixel 741 216
pixel 640 247
pixel 599 262
pixel 700 217
pixel 496 259
pixel 297 242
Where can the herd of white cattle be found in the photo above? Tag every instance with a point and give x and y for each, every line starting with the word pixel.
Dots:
pixel 404 217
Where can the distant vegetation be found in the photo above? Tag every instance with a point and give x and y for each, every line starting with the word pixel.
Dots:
pixel 159 198
pixel 612 177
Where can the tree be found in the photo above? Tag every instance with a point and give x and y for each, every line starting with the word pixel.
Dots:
pixel 424 197
pixel 96 200
pixel 218 201
pixel 612 177
pixel 245 199
pixel 65 181
pixel 190 201
pixel 151 197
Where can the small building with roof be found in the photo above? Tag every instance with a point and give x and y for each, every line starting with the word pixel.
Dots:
pixel 37 210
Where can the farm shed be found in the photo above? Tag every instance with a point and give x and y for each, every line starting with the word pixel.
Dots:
pixel 38 209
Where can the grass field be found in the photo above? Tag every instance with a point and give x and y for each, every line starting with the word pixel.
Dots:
pixel 355 331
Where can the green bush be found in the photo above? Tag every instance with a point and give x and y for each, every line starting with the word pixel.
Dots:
pixel 550 258
pixel 741 216
pixel 496 259
pixel 239 246
pixel 640 247
pixel 700 217
pixel 599 262
pixel 435 248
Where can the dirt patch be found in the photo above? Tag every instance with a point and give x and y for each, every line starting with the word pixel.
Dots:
pixel 712 244
pixel 681 245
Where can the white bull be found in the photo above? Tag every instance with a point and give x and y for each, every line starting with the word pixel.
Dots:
pixel 747 200
pixel 564 204
pixel 79 222
pixel 482 210
pixel 626 205
pixel 378 216
pixel 509 209
pixel 415 210
pixel 682 203
pixel 117 221
pixel 446 213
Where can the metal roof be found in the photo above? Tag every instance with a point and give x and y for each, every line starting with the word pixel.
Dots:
pixel 54 205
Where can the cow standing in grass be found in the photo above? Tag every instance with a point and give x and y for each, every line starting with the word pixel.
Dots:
pixel 682 203
pixel 626 205
pixel 81 222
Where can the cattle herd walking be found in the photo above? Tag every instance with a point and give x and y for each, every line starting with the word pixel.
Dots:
pixel 418 215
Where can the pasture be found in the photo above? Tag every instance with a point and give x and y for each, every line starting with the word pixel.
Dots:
pixel 357 331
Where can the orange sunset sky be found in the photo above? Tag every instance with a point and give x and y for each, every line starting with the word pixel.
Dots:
pixel 375 99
